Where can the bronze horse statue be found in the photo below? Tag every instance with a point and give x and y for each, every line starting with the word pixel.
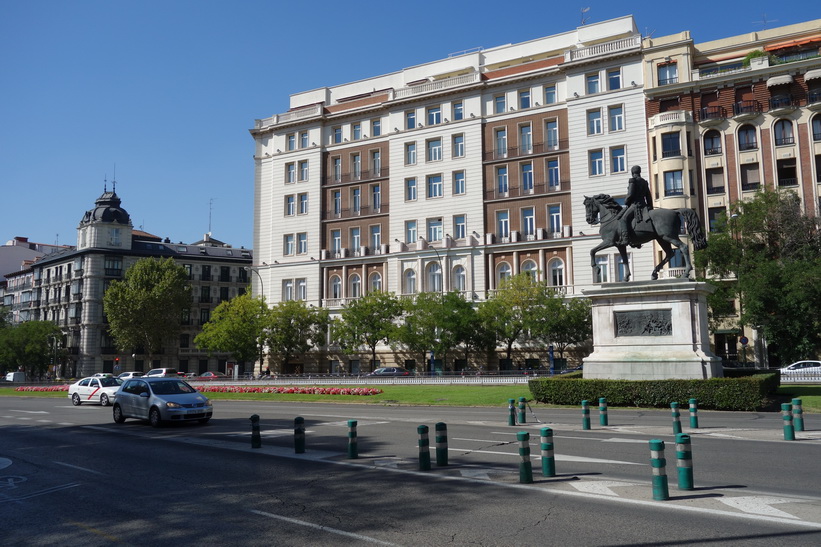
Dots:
pixel 664 227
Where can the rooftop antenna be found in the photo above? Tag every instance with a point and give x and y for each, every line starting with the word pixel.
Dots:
pixel 114 180
pixel 105 183
pixel 764 21
pixel 210 207
pixel 584 17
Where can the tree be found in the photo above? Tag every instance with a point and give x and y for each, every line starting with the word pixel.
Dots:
pixel 767 252
pixel 366 322
pixel 27 346
pixel 237 326
pixel 563 323
pixel 294 328
pixel 145 309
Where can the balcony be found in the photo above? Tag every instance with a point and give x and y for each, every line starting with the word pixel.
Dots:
pixel 750 186
pixel 366 175
pixel 814 100
pixel 113 272
pixel 311 111
pixel 539 188
pixel 746 110
pixel 780 106
pixel 749 145
pixel 607 48
pixel 787 182
pixel 785 140
pixel 438 85
pixel 711 115
pixel 671 153
pixel 716 151
pixel 715 190
pixel 353 213
pixel 524 151
pixel 77 296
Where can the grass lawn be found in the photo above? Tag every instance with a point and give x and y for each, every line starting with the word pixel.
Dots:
pixel 810 395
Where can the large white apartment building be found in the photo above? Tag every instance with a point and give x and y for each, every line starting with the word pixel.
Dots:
pixel 452 174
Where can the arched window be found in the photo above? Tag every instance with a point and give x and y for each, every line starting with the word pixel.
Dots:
pixel 375 282
pixel 747 138
pixel 816 128
pixel 783 132
pixel 459 279
pixel 503 272
pixel 409 282
pixel 529 267
pixel 336 287
pixel 434 280
pixel 355 286
pixel 712 143
pixel 556 268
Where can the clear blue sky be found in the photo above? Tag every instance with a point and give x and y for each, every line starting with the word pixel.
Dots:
pixel 164 91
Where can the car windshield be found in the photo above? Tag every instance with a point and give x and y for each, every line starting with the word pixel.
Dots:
pixel 171 387
pixel 110 382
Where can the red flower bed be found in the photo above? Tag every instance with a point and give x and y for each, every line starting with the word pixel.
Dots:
pixel 308 390
pixel 63 387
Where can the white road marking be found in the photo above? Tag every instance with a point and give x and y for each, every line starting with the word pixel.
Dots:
pixel 4 462
pixel 759 505
pixel 475 474
pixel 599 487
pixel 78 468
pixel 327 529
pixel 30 411
pixel 558 457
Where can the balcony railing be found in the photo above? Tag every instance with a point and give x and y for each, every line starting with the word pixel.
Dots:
pixel 715 190
pixel 353 213
pixel 814 97
pixel 113 272
pixel 524 151
pixel 785 101
pixel 746 107
pixel 788 182
pixel 749 145
pixel 438 85
pixel 539 188
pixel 712 113
pixel 364 176
pixel 782 141
pixel 671 153
pixel 606 48
pixel 750 186
pixel 712 151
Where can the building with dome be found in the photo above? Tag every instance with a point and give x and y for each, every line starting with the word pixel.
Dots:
pixel 67 287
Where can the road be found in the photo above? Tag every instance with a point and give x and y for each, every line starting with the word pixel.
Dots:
pixel 70 475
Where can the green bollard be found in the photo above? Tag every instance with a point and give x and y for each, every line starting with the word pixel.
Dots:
pixel 676 418
pixel 353 448
pixel 525 467
pixel 693 414
pixel 585 415
pixel 256 440
pixel 511 412
pixel 789 430
pixel 548 459
pixel 684 462
pixel 602 411
pixel 299 435
pixel 522 414
pixel 441 444
pixel 797 415
pixel 424 448
pixel 659 465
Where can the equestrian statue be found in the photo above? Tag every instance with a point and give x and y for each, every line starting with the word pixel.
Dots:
pixel 638 223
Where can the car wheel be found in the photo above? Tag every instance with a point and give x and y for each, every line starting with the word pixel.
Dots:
pixel 75 400
pixel 118 414
pixel 154 417
pixel 204 421
pixel 104 400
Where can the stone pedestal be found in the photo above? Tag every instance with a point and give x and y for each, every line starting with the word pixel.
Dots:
pixel 651 330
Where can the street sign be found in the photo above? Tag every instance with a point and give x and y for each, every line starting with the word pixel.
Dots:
pixel 744 340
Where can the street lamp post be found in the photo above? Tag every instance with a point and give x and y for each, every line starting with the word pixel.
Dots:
pixel 261 284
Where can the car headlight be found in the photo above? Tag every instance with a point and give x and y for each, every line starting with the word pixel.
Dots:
pixel 170 404
pixel 208 403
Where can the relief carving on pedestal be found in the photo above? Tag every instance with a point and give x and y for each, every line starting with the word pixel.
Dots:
pixel 644 323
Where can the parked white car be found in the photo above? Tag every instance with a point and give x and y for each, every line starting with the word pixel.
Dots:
pixel 94 390
pixel 802 367
pixel 128 375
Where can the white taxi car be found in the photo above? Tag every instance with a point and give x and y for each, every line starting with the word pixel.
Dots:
pixel 94 390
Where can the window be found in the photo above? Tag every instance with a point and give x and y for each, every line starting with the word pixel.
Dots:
pixel 410 153
pixel 616 116
pixel 527 177
pixel 290 173
pixel 816 128
pixel 376 197
pixel 614 79
pixel 303 204
pixel 594 126
pixel 550 94
pixel 337 200
pixel 302 289
pixel 376 128
pixel 356 200
pixel 592 83
pixel 409 282
pixel 458 111
pixel 303 139
pixel 459 186
pixel 356 166
pixel 530 269
pixel 783 132
pixel 670 144
pixel 552 134
pixel 336 287
pixel 553 173
pixel 302 243
pixel 499 104
pixel 205 316
pixel 337 137
pixel 303 170
pixel 435 229
pixel 459 146
pixel 290 205
pixel 712 143
pixel 434 115
pixel 355 286
pixel 375 282
pixel 556 268
pixel 434 150
pixel 435 187
pixel 622 268
pixel 503 273
pixel 501 143
pixel 291 142
pixel 554 217
pixel 376 163
pixel 288 246
pixel 356 131
pixel 529 222
pixel 376 237
pixel 501 180
pixel 618 163
pixel 410 189
pixel 600 274
pixel 747 138
pixel 524 99
pixel 337 169
pixel 434 270
pixel 459 279
pixel 410 119
pixel 668 74
pixel 459 227
pixel 502 225
pixel 356 241
pixel 673 183
pixel 713 214
pixel 750 176
pixel 596 163
pixel 410 231
pixel 336 241
pixel 525 139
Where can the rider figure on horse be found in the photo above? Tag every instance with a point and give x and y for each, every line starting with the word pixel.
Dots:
pixel 638 199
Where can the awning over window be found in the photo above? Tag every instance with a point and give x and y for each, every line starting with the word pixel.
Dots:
pixel 791 43
pixel 779 80
pixel 812 75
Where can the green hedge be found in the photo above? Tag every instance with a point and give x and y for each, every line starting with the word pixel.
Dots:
pixel 745 393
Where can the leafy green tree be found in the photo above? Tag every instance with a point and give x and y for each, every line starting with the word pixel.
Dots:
pixel 145 309
pixel 563 323
pixel 366 322
pixel 294 328
pixel 28 346
pixel 767 252
pixel 238 326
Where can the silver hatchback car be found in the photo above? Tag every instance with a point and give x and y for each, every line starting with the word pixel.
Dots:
pixel 161 400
